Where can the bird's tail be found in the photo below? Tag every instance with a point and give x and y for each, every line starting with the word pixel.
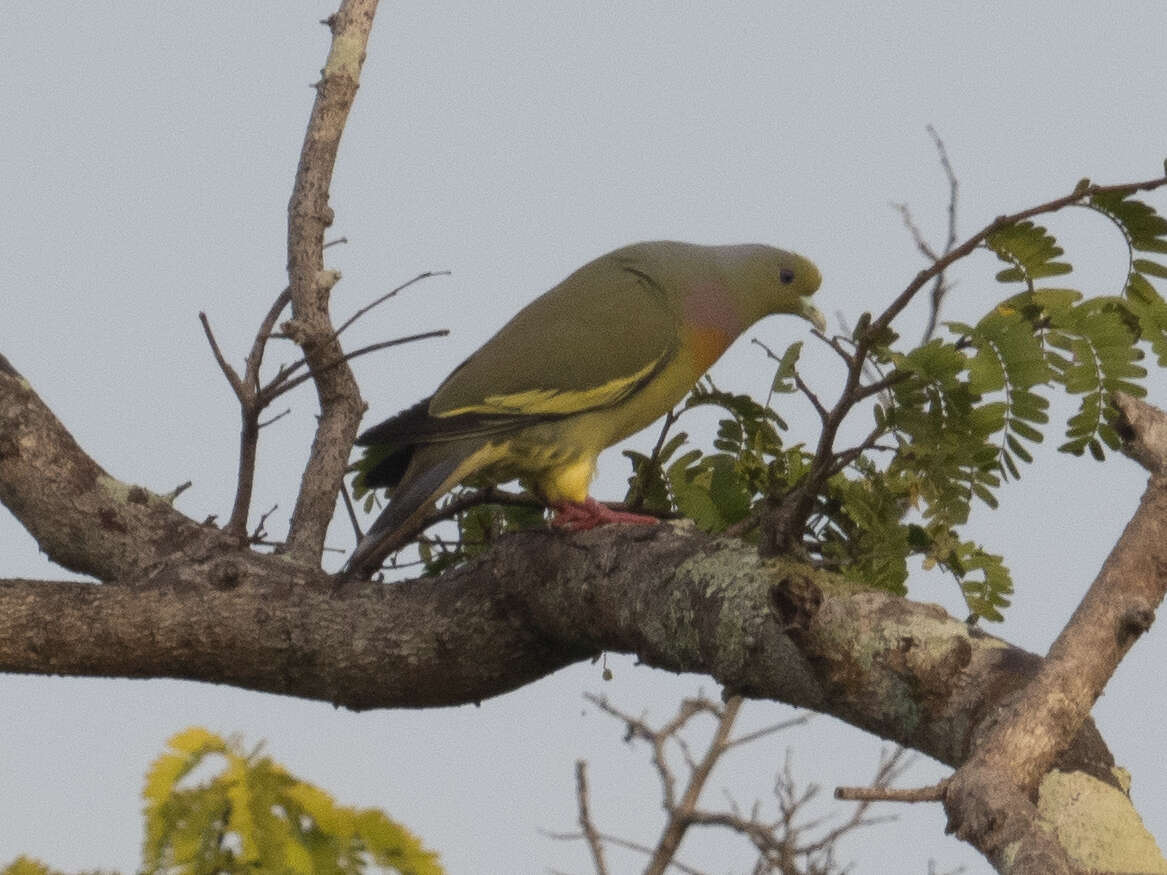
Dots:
pixel 401 520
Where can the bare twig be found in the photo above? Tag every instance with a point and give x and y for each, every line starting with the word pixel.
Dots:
pixel 351 511
pixel 681 817
pixel 487 495
pixel 249 410
pixel 595 845
pixel 799 383
pixel 783 844
pixel 889 769
pixel 940 286
pixel 228 371
pixel 308 293
pixel 637 728
pixel 757 734
pixel 259 535
pixel 252 401
pixel 1080 193
pixel 932 793
pixel 390 294
pixel 263 335
pixel 255 398
pixel 265 423
pixel 811 397
pixel 173 494
pixel 846 457
pixel 917 235
pixel 880 385
pixel 621 843
pixel 835 345
pixel 281 382
pixel 671 417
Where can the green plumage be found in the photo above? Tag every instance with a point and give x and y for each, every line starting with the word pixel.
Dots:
pixel 600 356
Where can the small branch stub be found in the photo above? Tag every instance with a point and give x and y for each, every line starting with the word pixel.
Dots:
pixel 1144 432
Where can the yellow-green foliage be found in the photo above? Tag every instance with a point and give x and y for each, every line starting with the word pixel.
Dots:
pixel 27 866
pixel 252 815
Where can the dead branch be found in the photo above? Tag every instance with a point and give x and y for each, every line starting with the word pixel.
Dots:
pixel 392 293
pixel 784 845
pixel 595 844
pixel 309 215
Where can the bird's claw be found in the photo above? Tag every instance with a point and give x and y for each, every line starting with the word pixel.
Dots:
pixel 579 517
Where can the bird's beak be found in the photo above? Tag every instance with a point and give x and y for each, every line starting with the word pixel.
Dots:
pixel 808 311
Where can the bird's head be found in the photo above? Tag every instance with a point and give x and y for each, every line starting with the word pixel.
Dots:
pixel 777 281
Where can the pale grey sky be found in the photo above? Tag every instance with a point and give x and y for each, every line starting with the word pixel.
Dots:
pixel 145 166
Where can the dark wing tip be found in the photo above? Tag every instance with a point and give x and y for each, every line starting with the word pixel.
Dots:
pixel 405 427
pixel 383 467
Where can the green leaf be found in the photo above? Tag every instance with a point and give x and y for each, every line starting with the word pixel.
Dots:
pixel 1144 229
pixel 863 532
pixel 709 490
pixel 1150 312
pixel 1031 251
pixel 784 374
pixel 1018 448
pixel 1146 266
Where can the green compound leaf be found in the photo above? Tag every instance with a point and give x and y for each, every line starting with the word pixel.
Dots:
pixel 863 532
pixel 984 580
pixel 1145 231
pixel 1030 250
pixel 1100 358
pixel 1009 360
pixel 709 490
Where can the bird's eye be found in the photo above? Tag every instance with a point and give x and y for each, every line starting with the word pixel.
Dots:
pixel 786 275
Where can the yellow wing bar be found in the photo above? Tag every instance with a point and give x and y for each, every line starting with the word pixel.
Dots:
pixel 535 402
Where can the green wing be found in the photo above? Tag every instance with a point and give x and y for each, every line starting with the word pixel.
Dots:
pixel 589 343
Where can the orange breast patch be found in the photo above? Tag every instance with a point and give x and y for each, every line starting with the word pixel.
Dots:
pixel 705 345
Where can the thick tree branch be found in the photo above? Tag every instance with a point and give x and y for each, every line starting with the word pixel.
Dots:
pixel 989 798
pixel 311 326
pixel 84 519
pixel 536 602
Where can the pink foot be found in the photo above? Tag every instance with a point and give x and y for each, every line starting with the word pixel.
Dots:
pixel 581 517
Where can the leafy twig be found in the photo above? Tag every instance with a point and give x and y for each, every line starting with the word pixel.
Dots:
pixel 784 523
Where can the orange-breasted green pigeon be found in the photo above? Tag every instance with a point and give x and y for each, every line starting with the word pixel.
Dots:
pixel 597 358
